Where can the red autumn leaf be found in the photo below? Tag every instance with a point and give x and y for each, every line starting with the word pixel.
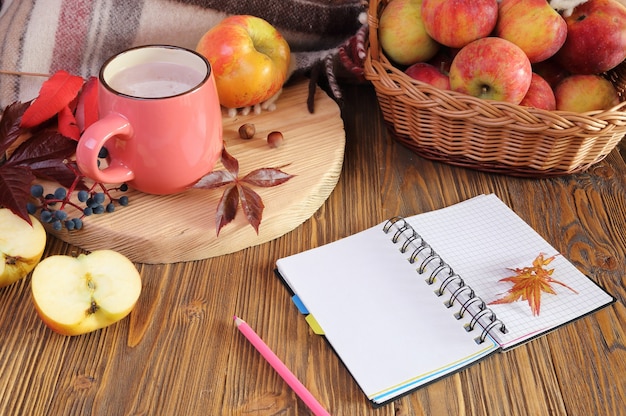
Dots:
pixel 14 189
pixel 215 179
pixel 252 206
pixel 10 126
pixel 529 283
pixel 230 163
pixel 56 93
pixel 266 177
pixel 87 106
pixel 227 207
pixel 236 192
pixel 67 124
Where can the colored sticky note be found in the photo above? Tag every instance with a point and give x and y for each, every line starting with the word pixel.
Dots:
pixel 296 300
pixel 317 329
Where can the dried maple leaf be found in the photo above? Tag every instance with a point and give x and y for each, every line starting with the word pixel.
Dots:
pixel 530 282
pixel 237 192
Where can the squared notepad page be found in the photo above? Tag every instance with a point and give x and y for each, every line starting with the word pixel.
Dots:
pixel 482 238
pixel 386 323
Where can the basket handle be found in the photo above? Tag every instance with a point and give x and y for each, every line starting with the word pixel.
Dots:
pixel 372 20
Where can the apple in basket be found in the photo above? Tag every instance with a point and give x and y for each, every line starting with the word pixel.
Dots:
pixel 491 68
pixel 76 295
pixel 540 94
pixel 429 74
pixel 249 58
pixel 21 246
pixel 596 37
pixel 533 25
pixel 585 92
pixel 402 35
pixel 455 23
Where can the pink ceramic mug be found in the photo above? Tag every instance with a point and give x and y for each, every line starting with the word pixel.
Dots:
pixel 160 121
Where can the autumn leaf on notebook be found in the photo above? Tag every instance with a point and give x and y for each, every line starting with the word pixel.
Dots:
pixel 530 282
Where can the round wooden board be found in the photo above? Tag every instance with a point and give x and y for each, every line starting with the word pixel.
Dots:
pixel 181 227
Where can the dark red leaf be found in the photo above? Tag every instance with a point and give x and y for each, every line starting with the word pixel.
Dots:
pixel 266 177
pixel 10 125
pixel 252 206
pixel 41 147
pixel 227 208
pixel 87 108
pixel 15 189
pixel 57 170
pixel 67 124
pixel 55 93
pixel 215 179
pixel 230 163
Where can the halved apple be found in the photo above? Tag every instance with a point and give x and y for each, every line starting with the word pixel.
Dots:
pixel 76 295
pixel 21 246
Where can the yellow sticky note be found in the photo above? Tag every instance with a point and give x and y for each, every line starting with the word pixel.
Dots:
pixel 317 329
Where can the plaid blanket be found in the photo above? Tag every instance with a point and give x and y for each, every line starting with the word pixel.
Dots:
pixel 43 36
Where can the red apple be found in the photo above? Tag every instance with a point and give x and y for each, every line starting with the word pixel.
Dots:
pixel 443 59
pixel 456 23
pixel 249 59
pixel 533 25
pixel 551 71
pixel 585 92
pixel 596 37
pixel 402 35
pixel 429 74
pixel 540 94
pixel 491 68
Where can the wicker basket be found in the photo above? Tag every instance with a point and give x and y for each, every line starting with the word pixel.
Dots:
pixel 485 135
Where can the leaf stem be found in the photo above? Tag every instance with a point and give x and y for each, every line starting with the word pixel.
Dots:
pixel 26 74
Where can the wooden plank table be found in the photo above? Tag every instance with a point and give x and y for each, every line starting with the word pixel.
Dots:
pixel 179 352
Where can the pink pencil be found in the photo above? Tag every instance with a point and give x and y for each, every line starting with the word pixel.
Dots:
pixel 281 368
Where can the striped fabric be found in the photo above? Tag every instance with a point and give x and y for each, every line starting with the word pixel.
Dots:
pixel 43 36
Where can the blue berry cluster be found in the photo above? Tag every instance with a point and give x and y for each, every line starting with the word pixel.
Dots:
pixel 53 207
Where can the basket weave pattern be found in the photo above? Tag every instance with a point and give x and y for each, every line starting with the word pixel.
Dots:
pixel 486 135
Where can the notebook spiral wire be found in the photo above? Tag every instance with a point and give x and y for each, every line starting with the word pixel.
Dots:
pixel 422 251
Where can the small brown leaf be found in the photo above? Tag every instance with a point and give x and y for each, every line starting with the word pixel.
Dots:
pixel 266 177
pixel 10 125
pixel 215 179
pixel 252 206
pixel 14 189
pixel 227 207
pixel 230 163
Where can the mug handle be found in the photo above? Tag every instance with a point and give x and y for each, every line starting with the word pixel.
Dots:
pixel 93 139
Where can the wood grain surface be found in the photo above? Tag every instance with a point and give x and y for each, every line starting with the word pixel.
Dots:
pixel 181 227
pixel 179 353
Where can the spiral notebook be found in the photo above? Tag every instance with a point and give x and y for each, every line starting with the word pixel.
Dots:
pixel 407 302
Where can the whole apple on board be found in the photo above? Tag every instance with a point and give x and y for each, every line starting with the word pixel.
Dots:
pixel 491 68
pixel 581 93
pixel 21 246
pixel 455 23
pixel 76 295
pixel 533 25
pixel 402 34
pixel 596 37
pixel 429 74
pixel 539 95
pixel 249 58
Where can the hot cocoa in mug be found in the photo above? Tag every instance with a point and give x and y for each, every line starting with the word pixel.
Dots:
pixel 160 121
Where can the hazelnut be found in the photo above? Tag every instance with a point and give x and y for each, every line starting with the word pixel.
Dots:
pixel 275 139
pixel 247 131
